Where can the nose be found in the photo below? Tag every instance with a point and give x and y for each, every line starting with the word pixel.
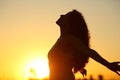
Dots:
pixel 62 15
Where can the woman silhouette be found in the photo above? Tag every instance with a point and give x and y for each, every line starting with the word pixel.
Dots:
pixel 72 50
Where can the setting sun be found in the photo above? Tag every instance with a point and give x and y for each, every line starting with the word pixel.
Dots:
pixel 28 30
pixel 37 68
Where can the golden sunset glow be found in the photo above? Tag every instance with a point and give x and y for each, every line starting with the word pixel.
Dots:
pixel 37 68
pixel 28 30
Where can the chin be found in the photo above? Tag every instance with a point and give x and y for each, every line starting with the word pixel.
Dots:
pixel 58 22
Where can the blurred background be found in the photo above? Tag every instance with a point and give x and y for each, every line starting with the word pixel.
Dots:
pixel 28 31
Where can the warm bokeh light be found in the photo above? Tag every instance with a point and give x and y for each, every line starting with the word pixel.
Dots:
pixel 28 31
pixel 37 68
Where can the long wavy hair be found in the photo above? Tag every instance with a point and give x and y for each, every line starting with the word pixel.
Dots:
pixel 79 29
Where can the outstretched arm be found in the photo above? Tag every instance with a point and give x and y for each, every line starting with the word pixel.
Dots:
pixel 112 66
pixel 84 50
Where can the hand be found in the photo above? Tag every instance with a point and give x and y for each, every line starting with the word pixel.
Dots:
pixel 114 67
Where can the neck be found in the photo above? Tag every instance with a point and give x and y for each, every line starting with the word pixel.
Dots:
pixel 64 32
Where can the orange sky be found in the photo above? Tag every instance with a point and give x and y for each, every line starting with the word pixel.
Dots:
pixel 28 31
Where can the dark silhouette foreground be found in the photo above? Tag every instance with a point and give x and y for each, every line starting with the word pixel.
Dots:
pixel 72 50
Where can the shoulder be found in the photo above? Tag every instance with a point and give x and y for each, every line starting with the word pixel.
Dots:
pixel 70 39
pixel 77 44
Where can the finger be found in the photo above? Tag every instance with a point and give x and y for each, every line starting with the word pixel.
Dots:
pixel 118 73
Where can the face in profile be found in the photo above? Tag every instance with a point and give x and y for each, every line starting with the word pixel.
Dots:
pixel 64 20
pixel 72 21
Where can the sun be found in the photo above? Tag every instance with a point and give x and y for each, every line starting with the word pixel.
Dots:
pixel 38 68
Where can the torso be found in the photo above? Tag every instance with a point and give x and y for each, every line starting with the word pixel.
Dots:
pixel 63 56
pixel 60 61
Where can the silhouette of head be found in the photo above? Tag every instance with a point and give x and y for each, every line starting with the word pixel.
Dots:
pixel 73 23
